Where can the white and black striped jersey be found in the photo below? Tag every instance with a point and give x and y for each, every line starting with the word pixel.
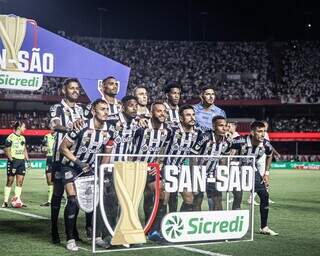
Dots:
pixel 150 141
pixel 114 110
pixel 123 132
pixel 143 113
pixel 66 117
pixel 87 142
pixel 244 147
pixel 173 115
pixel 180 143
pixel 208 145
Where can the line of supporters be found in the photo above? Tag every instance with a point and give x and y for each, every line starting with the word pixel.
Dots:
pixel 129 127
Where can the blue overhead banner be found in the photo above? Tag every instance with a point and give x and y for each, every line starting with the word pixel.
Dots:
pixel 29 52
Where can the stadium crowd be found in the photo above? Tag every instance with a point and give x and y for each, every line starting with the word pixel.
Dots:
pixel 243 68
pixel 301 62
pixel 33 120
pixel 296 124
pixel 154 63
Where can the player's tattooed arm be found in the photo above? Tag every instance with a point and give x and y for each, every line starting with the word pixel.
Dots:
pixel 65 149
pixel 268 165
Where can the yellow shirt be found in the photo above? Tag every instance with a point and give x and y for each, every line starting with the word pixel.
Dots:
pixel 17 144
pixel 49 140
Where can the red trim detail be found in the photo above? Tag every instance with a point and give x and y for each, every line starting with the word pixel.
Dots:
pixel 292 136
pixel 35 32
pixel 38 133
pixel 157 197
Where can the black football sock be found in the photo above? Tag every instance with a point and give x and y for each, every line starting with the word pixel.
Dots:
pixel 186 207
pixel 70 216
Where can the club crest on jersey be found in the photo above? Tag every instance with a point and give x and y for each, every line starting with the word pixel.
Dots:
pixel 163 134
pixel 53 110
pixel 144 148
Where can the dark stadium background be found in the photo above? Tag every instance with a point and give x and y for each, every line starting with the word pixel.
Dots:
pixel 209 41
pixel 174 20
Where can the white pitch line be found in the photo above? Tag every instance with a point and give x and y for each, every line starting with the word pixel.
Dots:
pixel 169 246
pixel 24 214
pixel 85 249
pixel 191 249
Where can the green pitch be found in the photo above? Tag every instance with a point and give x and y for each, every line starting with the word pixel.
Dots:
pixel 295 215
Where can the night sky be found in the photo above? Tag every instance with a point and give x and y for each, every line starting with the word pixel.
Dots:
pixel 174 20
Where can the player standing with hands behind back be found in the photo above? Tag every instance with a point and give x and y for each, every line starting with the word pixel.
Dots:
pixel 16 151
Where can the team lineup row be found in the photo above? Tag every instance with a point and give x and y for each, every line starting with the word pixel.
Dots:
pixel 128 127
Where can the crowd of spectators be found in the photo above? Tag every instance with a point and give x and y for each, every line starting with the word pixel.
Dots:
pixel 299 158
pixel 242 68
pixel 155 63
pixel 304 124
pixel 301 77
pixel 33 120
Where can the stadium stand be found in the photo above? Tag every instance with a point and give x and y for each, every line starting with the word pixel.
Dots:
pixel 34 120
pixel 244 69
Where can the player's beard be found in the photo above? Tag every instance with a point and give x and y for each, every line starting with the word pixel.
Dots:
pixel 72 98
pixel 157 120
pixel 188 126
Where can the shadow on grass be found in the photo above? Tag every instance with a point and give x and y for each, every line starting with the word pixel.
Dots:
pixel 32 228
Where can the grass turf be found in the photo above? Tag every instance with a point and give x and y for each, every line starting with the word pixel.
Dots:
pixel 295 215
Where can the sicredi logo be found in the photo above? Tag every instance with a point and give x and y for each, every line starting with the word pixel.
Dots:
pixel 20 81
pixel 205 226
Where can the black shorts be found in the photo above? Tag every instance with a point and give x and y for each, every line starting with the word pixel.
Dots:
pixel 211 189
pixel 56 176
pixel 259 184
pixel 16 167
pixel 49 167
pixel 69 173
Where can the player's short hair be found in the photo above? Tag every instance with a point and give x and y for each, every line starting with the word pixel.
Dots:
pixel 69 81
pixel 107 78
pixel 172 85
pixel 18 124
pixel 158 102
pixel 96 102
pixel 184 107
pixel 125 99
pixel 139 87
pixel 233 122
pixel 207 87
pixel 214 119
pixel 256 124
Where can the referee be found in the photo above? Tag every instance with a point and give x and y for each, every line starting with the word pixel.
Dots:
pixel 16 151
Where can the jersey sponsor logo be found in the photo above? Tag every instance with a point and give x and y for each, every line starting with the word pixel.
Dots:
pixel 146 148
pixel 181 148
pixel 120 139
pixel 82 150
